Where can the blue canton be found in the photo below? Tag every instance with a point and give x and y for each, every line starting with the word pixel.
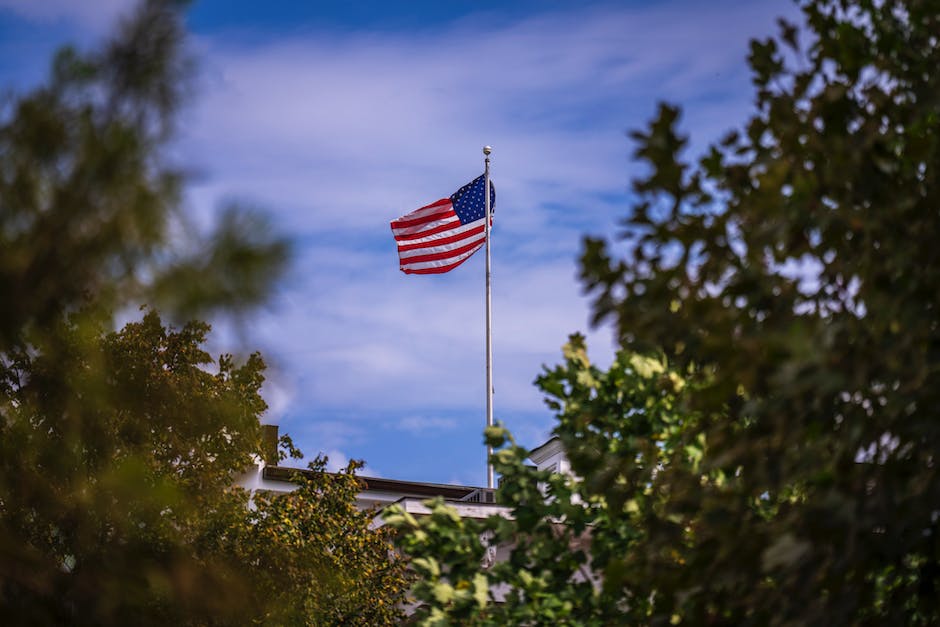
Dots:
pixel 468 201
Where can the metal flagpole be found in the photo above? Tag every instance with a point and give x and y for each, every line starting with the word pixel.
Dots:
pixel 489 320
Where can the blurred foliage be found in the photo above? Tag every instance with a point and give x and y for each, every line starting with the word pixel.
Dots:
pixel 90 214
pixel 791 280
pixel 119 450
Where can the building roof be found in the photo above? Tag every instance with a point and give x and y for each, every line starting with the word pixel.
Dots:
pixel 405 488
pixel 417 507
pixel 540 453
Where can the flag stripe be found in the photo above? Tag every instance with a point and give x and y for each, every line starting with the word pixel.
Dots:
pixel 438 267
pixel 435 227
pixel 438 239
pixel 441 207
pixel 432 253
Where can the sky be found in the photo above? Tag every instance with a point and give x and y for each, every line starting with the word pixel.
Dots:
pixel 336 117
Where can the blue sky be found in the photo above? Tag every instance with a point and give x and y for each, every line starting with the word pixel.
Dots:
pixel 336 117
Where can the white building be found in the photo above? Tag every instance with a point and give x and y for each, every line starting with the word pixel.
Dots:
pixel 469 501
pixel 378 493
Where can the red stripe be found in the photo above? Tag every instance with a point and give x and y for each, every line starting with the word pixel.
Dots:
pixel 416 223
pixel 438 270
pixel 443 255
pixel 443 240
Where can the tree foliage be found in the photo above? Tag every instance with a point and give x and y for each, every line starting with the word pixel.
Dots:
pixel 90 205
pixel 317 559
pixel 119 450
pixel 119 458
pixel 563 532
pixel 790 279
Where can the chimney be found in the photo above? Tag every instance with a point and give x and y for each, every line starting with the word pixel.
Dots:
pixel 269 440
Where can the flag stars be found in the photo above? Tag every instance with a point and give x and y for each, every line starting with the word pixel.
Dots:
pixel 469 201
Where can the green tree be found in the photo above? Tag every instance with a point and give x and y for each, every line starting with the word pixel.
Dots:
pixel 580 547
pixel 791 278
pixel 118 462
pixel 317 559
pixel 117 451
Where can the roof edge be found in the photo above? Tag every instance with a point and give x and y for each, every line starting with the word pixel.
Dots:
pixel 417 488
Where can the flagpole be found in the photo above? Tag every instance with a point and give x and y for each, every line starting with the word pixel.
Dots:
pixel 489 320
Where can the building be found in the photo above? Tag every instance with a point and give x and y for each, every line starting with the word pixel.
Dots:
pixel 469 501
pixel 378 493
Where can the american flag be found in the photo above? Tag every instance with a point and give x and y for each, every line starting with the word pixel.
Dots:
pixel 439 237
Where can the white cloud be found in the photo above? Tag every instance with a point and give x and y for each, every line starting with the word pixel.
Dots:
pixel 425 424
pixel 336 461
pixel 385 341
pixel 279 396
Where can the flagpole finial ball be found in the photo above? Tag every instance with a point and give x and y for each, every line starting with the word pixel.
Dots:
pixel 487 150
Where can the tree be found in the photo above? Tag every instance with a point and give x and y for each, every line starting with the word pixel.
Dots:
pixel 317 559
pixel 119 457
pixel 90 213
pixel 790 278
pixel 118 450
pixel 628 426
